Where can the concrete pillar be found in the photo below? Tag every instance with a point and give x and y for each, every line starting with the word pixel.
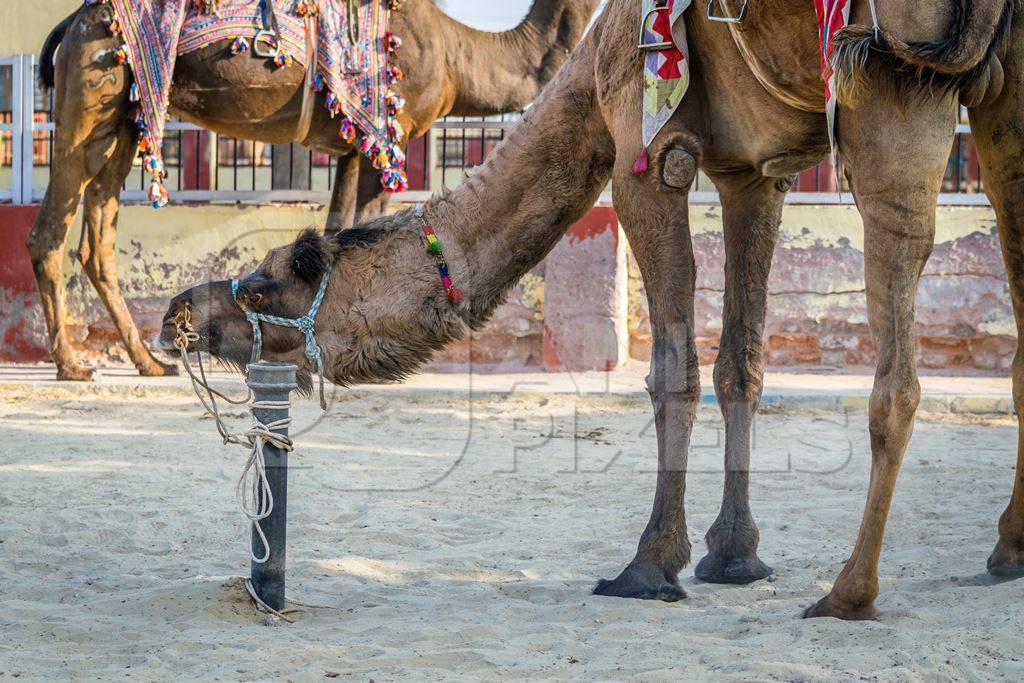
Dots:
pixel 585 297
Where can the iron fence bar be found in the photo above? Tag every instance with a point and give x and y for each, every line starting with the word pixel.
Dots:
pixel 17 121
pixel 28 114
pixel 443 139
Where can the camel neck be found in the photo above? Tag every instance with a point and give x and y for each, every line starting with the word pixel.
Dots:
pixel 504 71
pixel 507 216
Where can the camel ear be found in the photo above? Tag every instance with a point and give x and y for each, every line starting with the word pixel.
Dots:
pixel 309 257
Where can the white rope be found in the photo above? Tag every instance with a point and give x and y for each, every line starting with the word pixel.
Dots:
pixel 874 18
pixel 261 503
pixel 253 489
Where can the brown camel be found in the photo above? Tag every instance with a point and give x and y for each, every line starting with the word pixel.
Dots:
pixel 449 69
pixel 386 312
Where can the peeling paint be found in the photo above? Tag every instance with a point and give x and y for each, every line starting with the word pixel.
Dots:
pixel 816 309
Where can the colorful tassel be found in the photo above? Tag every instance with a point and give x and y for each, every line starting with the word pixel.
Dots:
pixel 158 194
pixel 348 130
pixel 642 163
pixel 308 8
pixel 121 55
pixel 208 6
pixel 283 59
pixel 239 45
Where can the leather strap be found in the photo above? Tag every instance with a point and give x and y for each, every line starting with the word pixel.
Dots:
pixel 308 94
pixel 270 19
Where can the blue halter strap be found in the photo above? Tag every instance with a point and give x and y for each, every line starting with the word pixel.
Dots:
pixel 306 324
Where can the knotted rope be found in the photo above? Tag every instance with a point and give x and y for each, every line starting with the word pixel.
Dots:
pixel 253 488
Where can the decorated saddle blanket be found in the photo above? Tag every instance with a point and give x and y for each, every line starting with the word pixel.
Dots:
pixel 355 66
pixel 667 62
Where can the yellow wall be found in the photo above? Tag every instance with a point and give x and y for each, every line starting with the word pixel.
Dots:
pixel 24 24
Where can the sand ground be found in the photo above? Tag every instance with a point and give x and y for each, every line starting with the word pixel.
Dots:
pixel 454 537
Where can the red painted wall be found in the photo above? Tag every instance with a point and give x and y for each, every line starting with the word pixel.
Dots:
pixel 19 302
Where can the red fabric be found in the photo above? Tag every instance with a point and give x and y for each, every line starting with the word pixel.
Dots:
pixel 663 28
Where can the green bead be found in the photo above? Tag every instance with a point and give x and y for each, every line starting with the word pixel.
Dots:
pixel 434 248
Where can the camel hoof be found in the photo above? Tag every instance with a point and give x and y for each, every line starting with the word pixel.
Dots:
pixel 828 607
pixel 1006 562
pixel 158 369
pixel 74 373
pixel 733 570
pixel 641 586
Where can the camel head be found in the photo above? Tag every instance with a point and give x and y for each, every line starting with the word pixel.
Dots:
pixel 211 317
pixel 384 311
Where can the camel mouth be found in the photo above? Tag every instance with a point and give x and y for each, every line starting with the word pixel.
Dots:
pixel 161 344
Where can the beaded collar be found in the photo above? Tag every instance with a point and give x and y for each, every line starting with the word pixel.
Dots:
pixel 434 248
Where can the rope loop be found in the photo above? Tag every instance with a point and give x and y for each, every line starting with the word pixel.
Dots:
pixel 253 488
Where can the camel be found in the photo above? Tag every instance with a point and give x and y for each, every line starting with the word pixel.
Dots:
pixel 385 311
pixel 450 69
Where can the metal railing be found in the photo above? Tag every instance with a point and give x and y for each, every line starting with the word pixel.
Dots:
pixel 205 167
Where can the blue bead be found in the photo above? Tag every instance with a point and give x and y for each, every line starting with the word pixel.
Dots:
pixel 443 269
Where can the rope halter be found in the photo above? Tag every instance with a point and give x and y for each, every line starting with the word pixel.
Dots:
pixel 306 324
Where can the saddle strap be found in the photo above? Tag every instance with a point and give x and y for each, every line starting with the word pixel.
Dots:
pixel 269 17
pixel 308 94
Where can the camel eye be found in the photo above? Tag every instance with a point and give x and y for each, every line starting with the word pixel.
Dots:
pixel 255 299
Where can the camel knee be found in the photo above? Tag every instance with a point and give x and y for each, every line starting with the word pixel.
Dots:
pixel 44 252
pixel 97 268
pixel 675 372
pixel 739 373
pixel 893 405
pixel 1018 380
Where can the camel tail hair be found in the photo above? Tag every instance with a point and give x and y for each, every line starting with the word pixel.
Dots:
pixel 865 57
pixel 47 71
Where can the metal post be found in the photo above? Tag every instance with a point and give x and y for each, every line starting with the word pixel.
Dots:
pixel 272 382
pixel 28 126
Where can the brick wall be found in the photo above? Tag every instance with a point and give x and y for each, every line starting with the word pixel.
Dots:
pixel 585 307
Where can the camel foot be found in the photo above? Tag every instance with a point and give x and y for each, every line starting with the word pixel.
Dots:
pixel 155 368
pixel 74 372
pixel 641 584
pixel 829 606
pixel 1007 561
pixel 735 570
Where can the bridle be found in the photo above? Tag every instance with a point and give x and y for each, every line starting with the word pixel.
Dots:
pixel 187 335
pixel 306 324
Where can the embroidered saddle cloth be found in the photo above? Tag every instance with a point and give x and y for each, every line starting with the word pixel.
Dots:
pixel 666 62
pixel 355 68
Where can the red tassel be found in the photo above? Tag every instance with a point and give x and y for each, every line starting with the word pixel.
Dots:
pixel 642 163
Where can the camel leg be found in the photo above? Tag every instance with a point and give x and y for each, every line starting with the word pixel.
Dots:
pixel 373 198
pixel 46 244
pixel 752 209
pixel 999 133
pixel 895 157
pixel 91 100
pixel 98 255
pixel 345 195
pixel 656 222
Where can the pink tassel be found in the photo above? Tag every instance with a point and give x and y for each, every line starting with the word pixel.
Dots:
pixel 642 163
